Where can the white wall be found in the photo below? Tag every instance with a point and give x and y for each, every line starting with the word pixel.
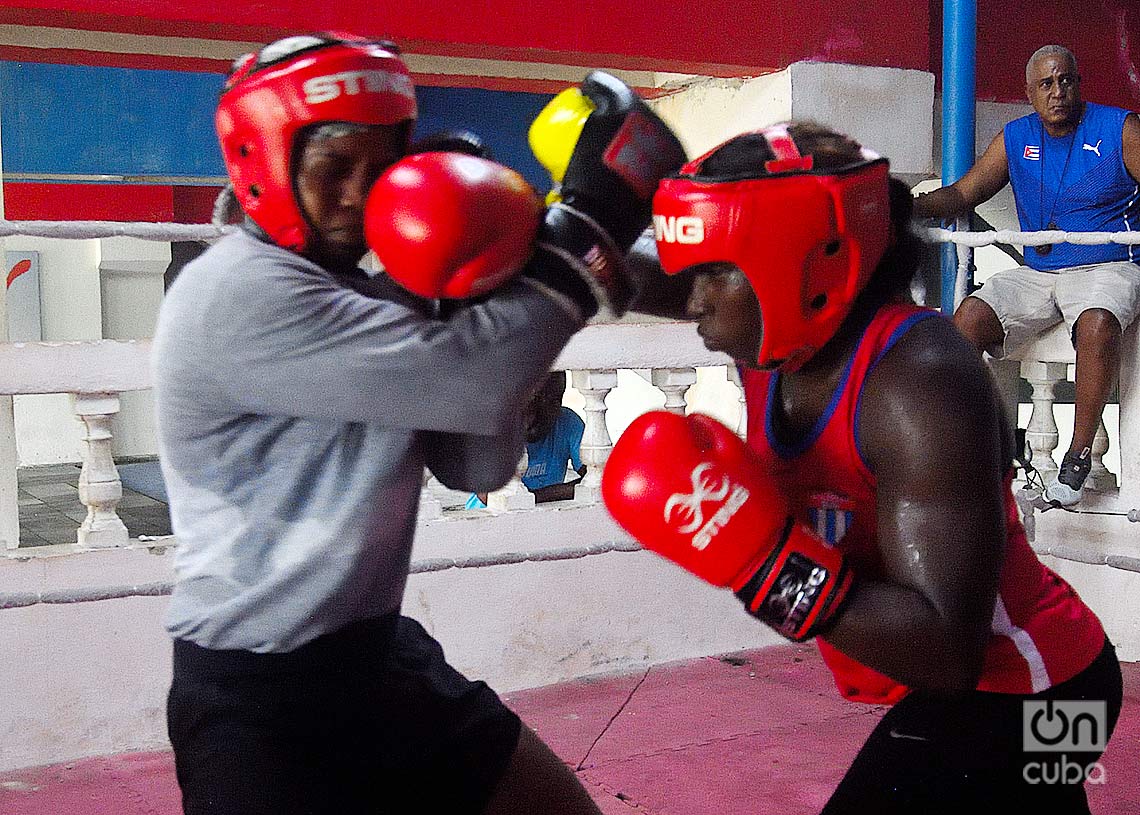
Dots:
pixel 887 109
pixel 132 287
pixel 47 431
pixel 708 111
pixel 112 288
pixel 90 290
pixel 9 456
pixel 91 678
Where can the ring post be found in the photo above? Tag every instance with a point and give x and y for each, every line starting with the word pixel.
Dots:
pixel 959 58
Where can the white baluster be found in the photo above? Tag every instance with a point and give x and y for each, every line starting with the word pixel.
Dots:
pixel 734 378
pixel 674 383
pixel 595 386
pixel 99 486
pixel 1128 440
pixel 1042 435
pixel 9 461
pixel 514 494
pixel 430 506
pixel 1100 477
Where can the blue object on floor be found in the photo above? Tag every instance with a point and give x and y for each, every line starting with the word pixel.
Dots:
pixel 146 478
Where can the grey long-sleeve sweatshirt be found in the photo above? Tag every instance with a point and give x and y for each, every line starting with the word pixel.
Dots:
pixel 296 413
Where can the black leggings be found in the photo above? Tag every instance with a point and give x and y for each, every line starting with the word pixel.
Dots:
pixel 966 754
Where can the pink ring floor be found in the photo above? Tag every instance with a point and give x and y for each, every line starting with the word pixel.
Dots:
pixel 704 736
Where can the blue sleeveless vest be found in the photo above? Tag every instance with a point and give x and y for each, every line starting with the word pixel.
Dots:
pixel 1077 182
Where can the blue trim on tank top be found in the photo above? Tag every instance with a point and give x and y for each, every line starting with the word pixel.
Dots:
pixel 810 438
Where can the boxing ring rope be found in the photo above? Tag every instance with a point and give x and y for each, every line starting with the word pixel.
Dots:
pixel 1011 237
pixel 83 230
pixel 162 589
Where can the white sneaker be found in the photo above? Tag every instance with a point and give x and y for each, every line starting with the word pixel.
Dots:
pixel 1070 484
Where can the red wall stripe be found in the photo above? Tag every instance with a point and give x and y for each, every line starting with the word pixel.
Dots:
pixel 153 203
pixel 194 205
pixel 29 201
pixel 109 59
pixel 131 21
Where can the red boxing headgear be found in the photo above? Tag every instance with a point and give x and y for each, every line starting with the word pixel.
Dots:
pixel 807 239
pixel 289 85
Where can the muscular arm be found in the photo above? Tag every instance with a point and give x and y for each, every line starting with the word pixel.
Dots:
pixel 930 427
pixel 980 183
pixel 1131 140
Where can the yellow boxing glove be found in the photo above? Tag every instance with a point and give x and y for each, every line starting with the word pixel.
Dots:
pixel 555 131
pixel 606 151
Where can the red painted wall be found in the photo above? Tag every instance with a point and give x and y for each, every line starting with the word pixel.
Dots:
pixel 1104 35
pixel 710 36
pixel 714 36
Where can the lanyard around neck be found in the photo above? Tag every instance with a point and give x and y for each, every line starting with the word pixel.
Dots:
pixel 1047 221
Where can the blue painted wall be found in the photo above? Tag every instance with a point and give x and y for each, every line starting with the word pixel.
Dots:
pixel 500 117
pixel 90 120
pixel 85 120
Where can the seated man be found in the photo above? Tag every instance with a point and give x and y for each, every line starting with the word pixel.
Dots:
pixel 1074 166
pixel 553 438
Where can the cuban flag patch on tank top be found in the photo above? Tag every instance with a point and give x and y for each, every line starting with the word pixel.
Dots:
pixel 830 515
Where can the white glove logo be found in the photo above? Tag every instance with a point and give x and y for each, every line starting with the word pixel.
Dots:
pixel 690 503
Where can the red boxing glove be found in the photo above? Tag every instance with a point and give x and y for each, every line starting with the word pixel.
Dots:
pixel 451 225
pixel 689 489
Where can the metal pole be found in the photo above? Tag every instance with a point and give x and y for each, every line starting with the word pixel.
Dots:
pixel 959 52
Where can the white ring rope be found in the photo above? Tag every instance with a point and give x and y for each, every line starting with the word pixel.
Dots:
pixel 93 594
pixel 209 232
pixel 1042 238
pixel 223 209
pixel 1063 551
pixel 82 230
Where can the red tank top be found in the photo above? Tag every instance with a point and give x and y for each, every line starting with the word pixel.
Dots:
pixel 1043 633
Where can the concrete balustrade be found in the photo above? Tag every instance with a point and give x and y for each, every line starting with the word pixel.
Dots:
pixel 560 593
pixel 97 372
pixel 1044 363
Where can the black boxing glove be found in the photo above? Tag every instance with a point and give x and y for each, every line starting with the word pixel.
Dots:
pixel 455 140
pixel 607 151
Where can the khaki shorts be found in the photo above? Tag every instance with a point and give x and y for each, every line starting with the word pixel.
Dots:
pixel 1028 302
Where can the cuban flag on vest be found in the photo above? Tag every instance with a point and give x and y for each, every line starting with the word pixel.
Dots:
pixel 831 516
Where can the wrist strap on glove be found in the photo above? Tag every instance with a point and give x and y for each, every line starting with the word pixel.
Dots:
pixel 575 241
pixel 801 587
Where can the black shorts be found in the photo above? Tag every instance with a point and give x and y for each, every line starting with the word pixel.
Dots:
pixel 368 719
pixel 966 754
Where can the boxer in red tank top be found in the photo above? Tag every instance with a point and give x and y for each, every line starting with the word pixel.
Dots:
pixel 881 427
